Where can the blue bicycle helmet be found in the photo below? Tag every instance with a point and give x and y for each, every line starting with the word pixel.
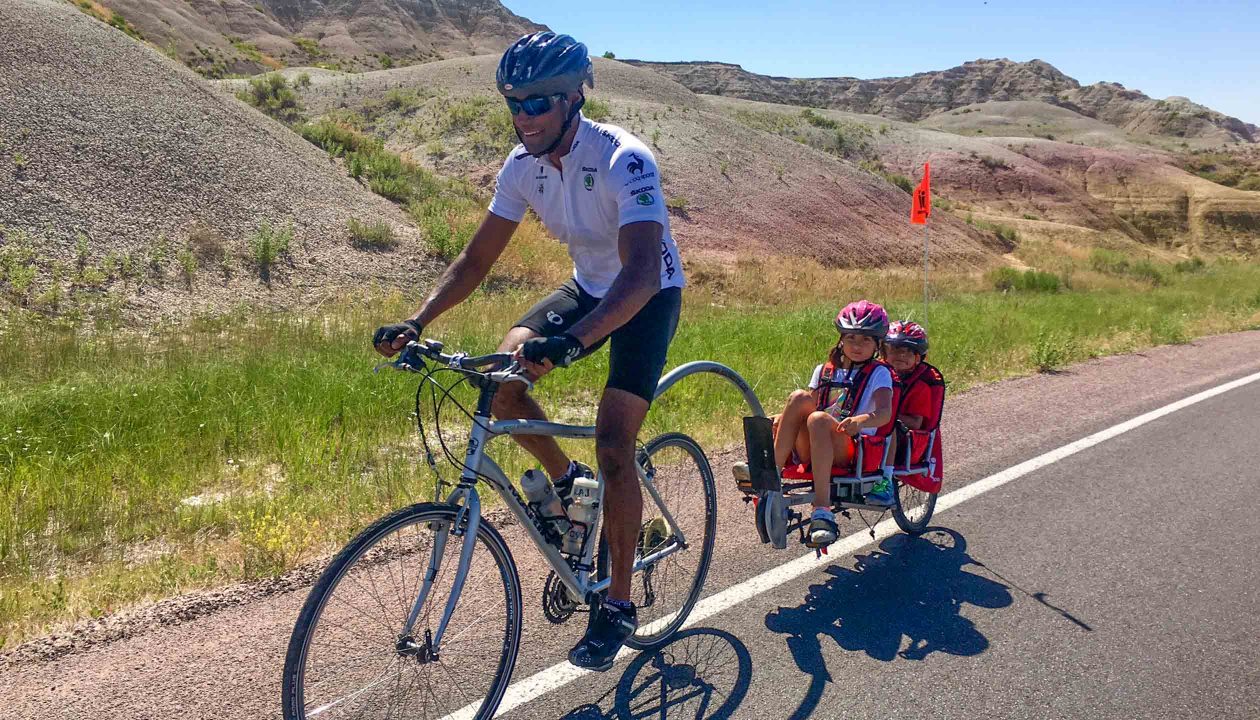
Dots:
pixel 544 63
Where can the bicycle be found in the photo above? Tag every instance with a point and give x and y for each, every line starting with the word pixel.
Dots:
pixel 400 565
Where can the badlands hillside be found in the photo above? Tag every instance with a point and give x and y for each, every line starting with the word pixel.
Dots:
pixel 222 37
pixel 117 161
pixel 129 177
pixel 919 96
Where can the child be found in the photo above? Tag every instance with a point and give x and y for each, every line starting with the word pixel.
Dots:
pixel 820 424
pixel 922 395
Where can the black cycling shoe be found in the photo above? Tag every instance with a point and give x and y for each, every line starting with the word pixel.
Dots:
pixel 607 632
pixel 564 483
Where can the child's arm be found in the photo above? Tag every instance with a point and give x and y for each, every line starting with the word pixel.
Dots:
pixel 880 415
pixel 913 422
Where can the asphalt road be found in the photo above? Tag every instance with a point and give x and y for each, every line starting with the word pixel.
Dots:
pixel 1119 582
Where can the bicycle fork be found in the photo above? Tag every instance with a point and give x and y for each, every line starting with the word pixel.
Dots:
pixel 467 522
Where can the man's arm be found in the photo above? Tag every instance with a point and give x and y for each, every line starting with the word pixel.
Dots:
pixel 639 244
pixel 456 283
pixel 469 269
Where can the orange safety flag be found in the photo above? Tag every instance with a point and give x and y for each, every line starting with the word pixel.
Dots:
pixel 921 206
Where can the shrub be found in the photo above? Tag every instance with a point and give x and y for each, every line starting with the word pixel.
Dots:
pixel 206 244
pixel 308 46
pixel 1110 262
pixel 187 264
pixel 819 121
pixel 371 236
pixel 993 163
pixel 267 244
pixel 335 138
pixel 678 203
pixel 608 55
pixel 1050 351
pixel 1194 264
pixel 116 20
pixel 596 109
pixel 1005 279
pixel 272 95
pixel 303 80
pixel 1168 331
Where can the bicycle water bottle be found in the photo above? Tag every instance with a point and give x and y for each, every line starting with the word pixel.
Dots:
pixel 585 510
pixel 538 490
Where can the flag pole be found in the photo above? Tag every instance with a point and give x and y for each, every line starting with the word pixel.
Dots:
pixel 925 271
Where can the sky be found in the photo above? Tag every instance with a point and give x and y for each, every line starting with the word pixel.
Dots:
pixel 1205 50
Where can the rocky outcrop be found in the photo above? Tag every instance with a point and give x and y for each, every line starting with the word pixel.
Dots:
pixel 918 96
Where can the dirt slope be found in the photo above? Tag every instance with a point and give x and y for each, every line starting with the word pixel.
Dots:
pixel 105 138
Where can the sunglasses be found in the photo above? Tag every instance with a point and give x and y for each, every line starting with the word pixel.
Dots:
pixel 533 105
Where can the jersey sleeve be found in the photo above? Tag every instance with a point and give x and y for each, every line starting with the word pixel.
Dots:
pixel 635 183
pixel 815 378
pixel 508 202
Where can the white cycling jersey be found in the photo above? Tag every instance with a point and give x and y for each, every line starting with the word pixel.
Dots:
pixel 609 179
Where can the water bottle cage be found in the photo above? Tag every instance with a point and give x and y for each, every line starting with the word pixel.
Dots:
pixel 586 538
pixel 546 524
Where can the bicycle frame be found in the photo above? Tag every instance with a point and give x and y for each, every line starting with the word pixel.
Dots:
pixel 479 466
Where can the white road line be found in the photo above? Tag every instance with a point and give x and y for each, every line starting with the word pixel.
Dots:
pixel 563 673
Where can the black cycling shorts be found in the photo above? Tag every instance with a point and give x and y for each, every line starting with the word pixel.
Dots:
pixel 638 347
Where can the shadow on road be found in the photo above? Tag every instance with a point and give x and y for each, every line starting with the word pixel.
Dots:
pixel 912 587
pixel 702 674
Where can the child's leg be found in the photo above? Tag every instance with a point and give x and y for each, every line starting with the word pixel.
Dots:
pixel 799 405
pixel 822 430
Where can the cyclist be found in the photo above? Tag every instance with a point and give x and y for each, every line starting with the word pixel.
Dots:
pixel 596 188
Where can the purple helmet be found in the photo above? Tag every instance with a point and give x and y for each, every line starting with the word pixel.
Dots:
pixel 863 318
pixel 908 334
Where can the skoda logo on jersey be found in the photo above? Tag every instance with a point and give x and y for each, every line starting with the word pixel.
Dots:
pixel 540 187
pixel 645 199
pixel 636 165
pixel 553 318
pixel 589 181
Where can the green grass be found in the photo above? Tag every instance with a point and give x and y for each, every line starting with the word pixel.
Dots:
pixel 139 465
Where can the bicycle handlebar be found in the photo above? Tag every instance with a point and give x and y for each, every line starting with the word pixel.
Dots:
pixel 411 359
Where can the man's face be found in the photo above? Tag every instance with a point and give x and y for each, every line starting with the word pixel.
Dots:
pixel 538 132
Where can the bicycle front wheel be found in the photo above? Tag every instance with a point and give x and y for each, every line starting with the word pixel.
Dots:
pixel 666 591
pixel 350 654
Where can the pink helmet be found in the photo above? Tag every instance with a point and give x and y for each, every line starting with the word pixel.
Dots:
pixel 863 318
pixel 909 335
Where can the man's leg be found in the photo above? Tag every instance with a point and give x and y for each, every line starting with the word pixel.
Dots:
pixel 620 416
pixel 513 402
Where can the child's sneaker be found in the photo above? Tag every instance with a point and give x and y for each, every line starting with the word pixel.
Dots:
pixel 881 494
pixel 743 477
pixel 822 528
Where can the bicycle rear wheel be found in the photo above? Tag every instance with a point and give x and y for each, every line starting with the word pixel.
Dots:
pixel 348 655
pixel 665 592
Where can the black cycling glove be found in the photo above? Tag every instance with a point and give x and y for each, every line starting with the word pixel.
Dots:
pixel 388 333
pixel 560 350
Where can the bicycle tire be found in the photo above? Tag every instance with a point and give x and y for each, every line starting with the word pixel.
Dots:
pixel 421 515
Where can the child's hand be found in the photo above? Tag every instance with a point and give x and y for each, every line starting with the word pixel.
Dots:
pixel 851 427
